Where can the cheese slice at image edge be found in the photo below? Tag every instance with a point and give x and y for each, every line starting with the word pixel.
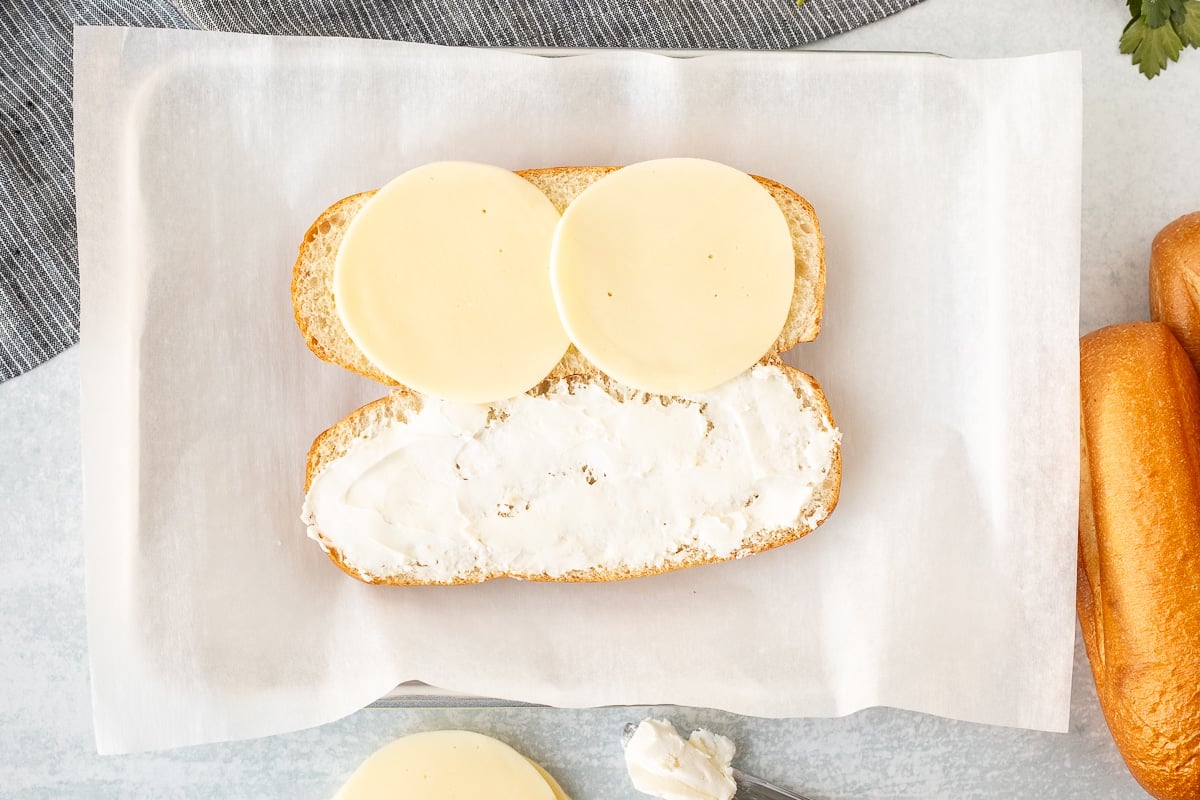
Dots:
pixel 450 765
pixel 442 281
pixel 675 275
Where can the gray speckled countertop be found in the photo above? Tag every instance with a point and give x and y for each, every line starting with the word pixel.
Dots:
pixel 1133 184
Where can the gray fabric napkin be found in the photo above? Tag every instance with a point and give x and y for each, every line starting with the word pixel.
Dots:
pixel 39 275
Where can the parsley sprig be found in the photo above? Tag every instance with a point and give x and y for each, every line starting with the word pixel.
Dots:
pixel 1159 31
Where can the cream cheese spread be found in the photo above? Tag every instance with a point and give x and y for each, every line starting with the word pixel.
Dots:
pixel 662 764
pixel 574 479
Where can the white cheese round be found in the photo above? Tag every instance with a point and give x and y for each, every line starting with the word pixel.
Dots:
pixel 443 282
pixel 673 276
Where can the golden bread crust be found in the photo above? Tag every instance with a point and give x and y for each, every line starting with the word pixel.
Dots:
pixel 1175 282
pixel 1138 594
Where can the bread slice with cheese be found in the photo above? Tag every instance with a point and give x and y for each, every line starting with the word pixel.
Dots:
pixel 411 490
pixel 312 276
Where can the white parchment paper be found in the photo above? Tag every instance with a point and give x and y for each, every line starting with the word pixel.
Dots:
pixel 949 194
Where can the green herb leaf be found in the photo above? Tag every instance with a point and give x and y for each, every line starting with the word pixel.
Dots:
pixel 1134 35
pixel 1178 14
pixel 1189 28
pixel 1151 47
pixel 1135 7
pixel 1156 12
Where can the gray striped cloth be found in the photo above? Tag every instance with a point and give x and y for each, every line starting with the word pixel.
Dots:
pixel 39 275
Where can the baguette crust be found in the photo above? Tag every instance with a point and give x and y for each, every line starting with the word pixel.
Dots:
pixel 397 406
pixel 316 314
pixel 1138 593
pixel 312 291
pixel 1175 282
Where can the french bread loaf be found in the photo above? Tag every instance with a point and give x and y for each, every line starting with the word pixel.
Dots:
pixel 316 316
pixel 1139 549
pixel 1175 282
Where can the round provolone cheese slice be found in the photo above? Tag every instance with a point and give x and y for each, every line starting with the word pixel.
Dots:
pixel 442 281
pixel 675 275
pixel 449 765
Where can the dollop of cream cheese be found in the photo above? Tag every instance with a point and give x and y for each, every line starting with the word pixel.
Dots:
pixel 662 764
pixel 574 479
